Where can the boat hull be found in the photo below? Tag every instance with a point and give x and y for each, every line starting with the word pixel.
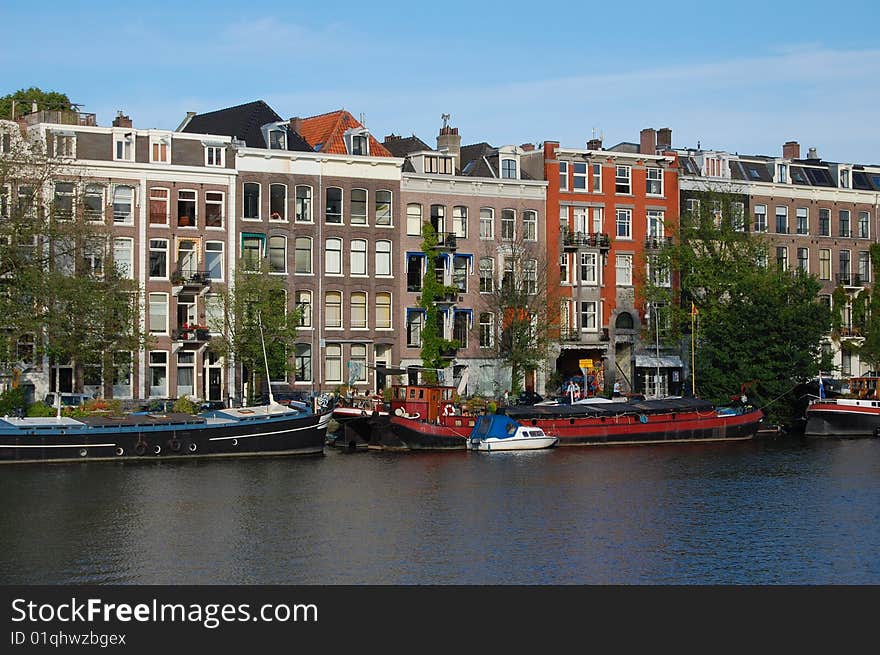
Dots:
pixel 832 420
pixel 420 435
pixel 283 435
pixel 528 443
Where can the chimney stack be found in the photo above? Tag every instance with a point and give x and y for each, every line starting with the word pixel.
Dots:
pixel 295 125
pixel 450 141
pixel 664 138
pixel 392 137
pixel 812 154
pixel 791 150
pixel 594 144
pixel 648 141
pixel 121 120
pixel 527 147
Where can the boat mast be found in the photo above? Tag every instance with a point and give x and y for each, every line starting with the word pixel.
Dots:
pixel 265 360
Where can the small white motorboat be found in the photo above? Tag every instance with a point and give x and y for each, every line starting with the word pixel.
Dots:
pixel 495 432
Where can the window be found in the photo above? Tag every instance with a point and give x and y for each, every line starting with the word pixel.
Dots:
pixel 383 258
pixel 803 220
pixel 62 208
pixel 487 223
pixel 251 200
pixel 622 181
pixel 507 276
pixel 508 224
pixel 186 361
pixel 302 363
pixel 277 202
pixel 93 257
pixel 158 374
pixel 333 362
pixel 563 268
pixel 460 272
pixel 413 219
pixel 414 272
pixel 782 258
pixel 158 258
pixel 624 270
pixel 277 139
pixel 760 218
pixel 692 207
pixel 214 259
pixel 844 222
pixel 358 207
pixel 187 259
pixel 864 222
pixel 824 222
pixel 459 221
pixel 782 173
pixel 658 272
pixel 360 144
pixel 654 182
pixel 824 264
pixel 333 208
pixel 186 208
pixel 441 165
pixel 563 220
pixel 530 276
pixel 123 257
pixel 844 178
pixel 383 207
pixel 655 224
pixel 460 325
pixel 333 256
pixel 508 169
pixel 358 363
pixel 438 218
pixel 4 201
pixel 844 267
pixel 123 146
pixel 414 322
pixel 563 175
pixel 158 206
pixel 624 223
pixel 597 178
pixel 65 145
pixel 579 176
pixel 597 220
pixel 213 209
pixel 487 275
pixel 803 259
pixel 359 310
pixel 580 219
pixel 383 311
pixel 215 156
pixel 863 276
pixel 530 225
pixel 782 220
pixel 589 266
pixel 159 149
pixel 158 315
pixel 252 251
pixel 277 254
pixel 304 306
pixel 358 261
pixel 738 216
pixel 487 330
pixel 588 316
pixel 303 204
pixel 123 203
pixel 333 309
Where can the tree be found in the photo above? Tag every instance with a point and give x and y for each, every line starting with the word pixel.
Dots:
pixel 865 315
pixel 24 99
pixel 257 299
pixel 435 349
pixel 759 325
pixel 522 307
pixel 62 297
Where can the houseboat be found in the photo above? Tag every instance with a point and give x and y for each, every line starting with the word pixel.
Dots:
pixel 854 415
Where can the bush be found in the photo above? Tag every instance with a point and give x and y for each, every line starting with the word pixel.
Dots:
pixel 184 405
pixel 40 409
pixel 12 402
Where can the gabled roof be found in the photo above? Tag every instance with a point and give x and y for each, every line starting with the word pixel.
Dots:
pixel 325 132
pixel 243 122
pixel 473 160
pixel 401 146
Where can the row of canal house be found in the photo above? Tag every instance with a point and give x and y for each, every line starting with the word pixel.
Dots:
pixel 339 215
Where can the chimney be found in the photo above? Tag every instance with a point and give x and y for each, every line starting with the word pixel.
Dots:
pixel 450 141
pixel 121 120
pixel 392 137
pixel 295 125
pixel 812 154
pixel 791 150
pixel 664 138
pixel 527 147
pixel 648 141
pixel 594 144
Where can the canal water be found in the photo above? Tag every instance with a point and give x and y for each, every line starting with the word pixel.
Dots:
pixel 773 512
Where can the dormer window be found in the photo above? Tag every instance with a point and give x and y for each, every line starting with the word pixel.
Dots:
pixel 360 145
pixel 782 173
pixel 215 155
pixel 123 146
pixel 278 139
pixel 440 164
pixel 508 169
pixel 844 178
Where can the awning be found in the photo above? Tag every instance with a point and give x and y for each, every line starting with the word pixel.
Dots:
pixel 664 361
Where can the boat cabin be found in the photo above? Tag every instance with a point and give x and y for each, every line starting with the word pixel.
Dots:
pixel 427 401
pixel 864 387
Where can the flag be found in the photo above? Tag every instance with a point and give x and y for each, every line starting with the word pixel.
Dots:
pixel 821 389
pixel 693 309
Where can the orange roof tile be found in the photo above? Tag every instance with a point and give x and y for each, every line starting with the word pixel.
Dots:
pixel 325 132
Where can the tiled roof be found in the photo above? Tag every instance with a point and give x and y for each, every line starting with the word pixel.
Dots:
pixel 325 132
pixel 401 146
pixel 243 122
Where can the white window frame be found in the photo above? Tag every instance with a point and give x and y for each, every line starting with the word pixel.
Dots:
pixel 624 179
pixel 124 145
pixel 386 218
pixel 413 219
pixel 530 225
pixel 357 263
pixel 626 214
pixel 211 247
pixel 653 174
pixel 359 314
pixel 383 262
pixel 333 256
pixel 589 309
pixel 297 253
pixel 328 314
pixel 276 216
pixel 487 219
pixel 124 267
pixel 304 203
pixel 162 143
pixel 623 266
pixel 381 322
pixel 157 300
pixel 362 219
pixel 215 156
pixel 271 246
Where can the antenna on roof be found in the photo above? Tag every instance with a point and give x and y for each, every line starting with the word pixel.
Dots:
pixel 445 118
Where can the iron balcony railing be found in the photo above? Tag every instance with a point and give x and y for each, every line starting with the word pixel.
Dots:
pixel 575 240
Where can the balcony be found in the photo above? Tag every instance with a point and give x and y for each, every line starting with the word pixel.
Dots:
pixel 656 243
pixel 576 240
pixel 850 332
pixel 62 117
pixel 187 334
pixel 861 280
pixel 847 280
pixel 574 335
pixel 446 241
pixel 188 281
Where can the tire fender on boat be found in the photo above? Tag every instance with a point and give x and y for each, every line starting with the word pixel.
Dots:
pixel 193 448
pixel 140 448
pixel 174 445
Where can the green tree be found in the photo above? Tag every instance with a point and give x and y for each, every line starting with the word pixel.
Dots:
pixel 865 316
pixel 758 325
pixel 257 299
pixel 436 350
pixel 24 99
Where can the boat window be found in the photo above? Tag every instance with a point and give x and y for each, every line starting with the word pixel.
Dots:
pixel 421 393
pixel 412 393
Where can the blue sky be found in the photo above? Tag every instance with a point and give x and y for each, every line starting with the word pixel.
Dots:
pixel 742 76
